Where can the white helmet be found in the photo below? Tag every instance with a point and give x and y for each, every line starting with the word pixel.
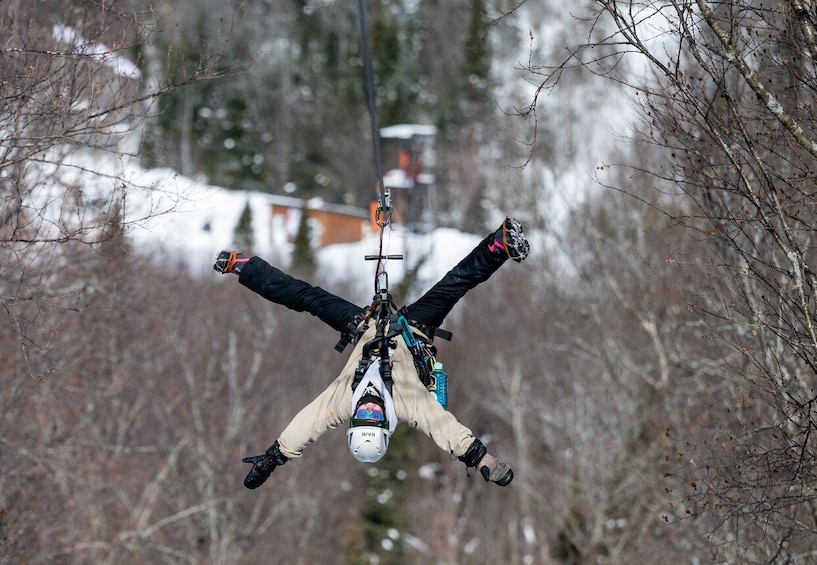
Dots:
pixel 368 443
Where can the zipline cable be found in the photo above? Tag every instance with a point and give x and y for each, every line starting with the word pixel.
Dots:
pixel 383 214
pixel 371 102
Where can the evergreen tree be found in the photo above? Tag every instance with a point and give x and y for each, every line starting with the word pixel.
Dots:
pixel 303 256
pixel 243 233
pixel 476 70
pixel 461 83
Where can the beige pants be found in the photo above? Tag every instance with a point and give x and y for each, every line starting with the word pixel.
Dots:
pixel 412 402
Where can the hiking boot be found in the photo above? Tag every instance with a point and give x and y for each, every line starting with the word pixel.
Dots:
pixel 494 470
pixel 510 240
pixel 230 262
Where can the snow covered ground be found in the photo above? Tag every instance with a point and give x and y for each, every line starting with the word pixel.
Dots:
pixel 197 220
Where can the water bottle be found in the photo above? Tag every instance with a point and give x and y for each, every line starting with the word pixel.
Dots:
pixel 441 382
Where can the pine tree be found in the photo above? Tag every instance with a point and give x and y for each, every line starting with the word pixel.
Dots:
pixel 303 256
pixel 243 239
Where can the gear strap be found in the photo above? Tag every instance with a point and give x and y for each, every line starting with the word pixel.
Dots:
pixel 355 329
pixel 381 309
pixel 385 312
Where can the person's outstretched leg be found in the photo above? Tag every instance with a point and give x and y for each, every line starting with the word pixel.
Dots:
pixel 483 261
pixel 281 288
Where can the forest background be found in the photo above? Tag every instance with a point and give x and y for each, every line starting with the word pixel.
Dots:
pixel 648 371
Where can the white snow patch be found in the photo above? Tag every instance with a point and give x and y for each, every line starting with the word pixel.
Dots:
pixel 97 51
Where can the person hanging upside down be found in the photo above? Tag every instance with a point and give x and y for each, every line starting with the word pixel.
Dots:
pixel 360 395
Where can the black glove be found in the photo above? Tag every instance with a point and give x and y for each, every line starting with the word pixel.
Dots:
pixel 263 466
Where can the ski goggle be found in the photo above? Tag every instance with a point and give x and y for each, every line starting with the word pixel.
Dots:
pixel 372 413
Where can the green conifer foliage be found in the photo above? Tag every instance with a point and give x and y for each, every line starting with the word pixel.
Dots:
pixel 243 239
pixel 303 255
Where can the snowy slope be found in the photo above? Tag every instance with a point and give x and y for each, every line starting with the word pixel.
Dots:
pixel 197 220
